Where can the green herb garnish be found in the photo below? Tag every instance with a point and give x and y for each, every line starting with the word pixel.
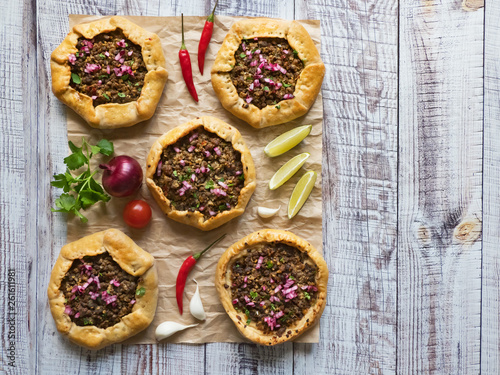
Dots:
pixel 242 55
pixel 286 84
pixel 222 207
pixel 174 173
pixel 221 179
pixel 266 88
pixel 209 185
pixel 87 322
pixel 141 291
pixel 125 77
pixel 295 52
pixel 273 307
pixel 307 295
pixel 247 313
pixel 82 191
pixel 254 295
pixel 121 95
pixel 237 266
pixel 106 96
pixel 248 321
pixel 269 264
pixel 210 167
pixel 292 278
pixel 76 78
pixel 102 56
pixel 241 177
pixel 278 107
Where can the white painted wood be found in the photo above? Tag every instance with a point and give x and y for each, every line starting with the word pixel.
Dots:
pixel 439 193
pixel 17 332
pixel 359 48
pixel 490 322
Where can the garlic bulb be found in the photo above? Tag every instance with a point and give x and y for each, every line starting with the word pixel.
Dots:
pixel 167 329
pixel 195 306
pixel 267 212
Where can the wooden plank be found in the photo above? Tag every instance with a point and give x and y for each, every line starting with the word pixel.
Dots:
pixel 490 320
pixel 223 358
pixel 440 182
pixel 16 272
pixel 359 48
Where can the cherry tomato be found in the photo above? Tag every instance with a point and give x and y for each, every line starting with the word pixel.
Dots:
pixel 137 214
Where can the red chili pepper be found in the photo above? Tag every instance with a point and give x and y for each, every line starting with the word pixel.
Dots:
pixel 186 267
pixel 206 35
pixel 187 72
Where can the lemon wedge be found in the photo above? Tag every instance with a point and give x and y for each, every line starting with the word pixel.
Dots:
pixel 301 192
pixel 287 141
pixel 288 169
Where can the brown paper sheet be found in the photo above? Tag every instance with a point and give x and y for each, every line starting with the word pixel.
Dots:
pixel 171 242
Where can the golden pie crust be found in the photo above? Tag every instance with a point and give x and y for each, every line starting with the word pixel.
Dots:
pixel 111 115
pixel 229 134
pixel 239 249
pixel 307 87
pixel 132 259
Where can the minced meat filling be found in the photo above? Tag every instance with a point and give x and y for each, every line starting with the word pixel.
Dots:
pixel 273 285
pixel 266 71
pixel 98 292
pixel 201 172
pixel 109 68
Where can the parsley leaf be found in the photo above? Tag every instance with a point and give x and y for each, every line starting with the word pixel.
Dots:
pixel 141 291
pixel 121 95
pixel 254 295
pixel 269 264
pixel 76 78
pixel 307 295
pixel 278 107
pixel 286 84
pixel 209 185
pixel 82 191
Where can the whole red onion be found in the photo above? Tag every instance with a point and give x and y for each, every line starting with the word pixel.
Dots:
pixel 122 176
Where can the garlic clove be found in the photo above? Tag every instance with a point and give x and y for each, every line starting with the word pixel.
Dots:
pixel 267 212
pixel 167 329
pixel 196 306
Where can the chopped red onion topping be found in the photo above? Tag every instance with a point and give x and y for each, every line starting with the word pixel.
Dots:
pixel 286 52
pixel 121 43
pixel 263 287
pixel 77 315
pixel 255 38
pixel 132 301
pixel 130 53
pixel 193 177
pixel 262 303
pixel 238 173
pixel 235 301
pixel 277 289
pixel 68 310
pixel 289 290
pixel 288 96
pixel 197 170
pixel 99 82
pixel 249 99
pixel 247 300
pixel 93 295
pixel 256 83
pixel 187 185
pixel 245 279
pixel 261 258
pixel 257 51
pixel 201 208
pixel 254 63
pixel 223 185
pixel 93 97
pixel 91 68
pixel 217 151
pixel 204 169
pixel 218 192
pixel 243 46
pixel 193 137
pixel 115 282
pixel 279 314
pixel 107 298
pixel 251 304
pixel 72 58
pixel 182 162
pixel 212 213
pixel 191 148
pixel 207 153
pixel 177 149
pixel 250 88
pixel 271 322
pixel 108 70
pixel 106 53
pixel 158 168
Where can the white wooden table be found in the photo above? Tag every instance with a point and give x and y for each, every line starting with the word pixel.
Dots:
pixel 411 172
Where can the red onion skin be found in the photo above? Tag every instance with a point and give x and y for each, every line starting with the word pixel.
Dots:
pixel 122 176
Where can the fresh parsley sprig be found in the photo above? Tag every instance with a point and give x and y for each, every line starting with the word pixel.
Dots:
pixel 82 191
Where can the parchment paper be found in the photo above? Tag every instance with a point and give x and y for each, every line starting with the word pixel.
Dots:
pixel 171 242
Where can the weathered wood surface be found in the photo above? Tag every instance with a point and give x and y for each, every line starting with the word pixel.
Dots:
pixel 408 180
